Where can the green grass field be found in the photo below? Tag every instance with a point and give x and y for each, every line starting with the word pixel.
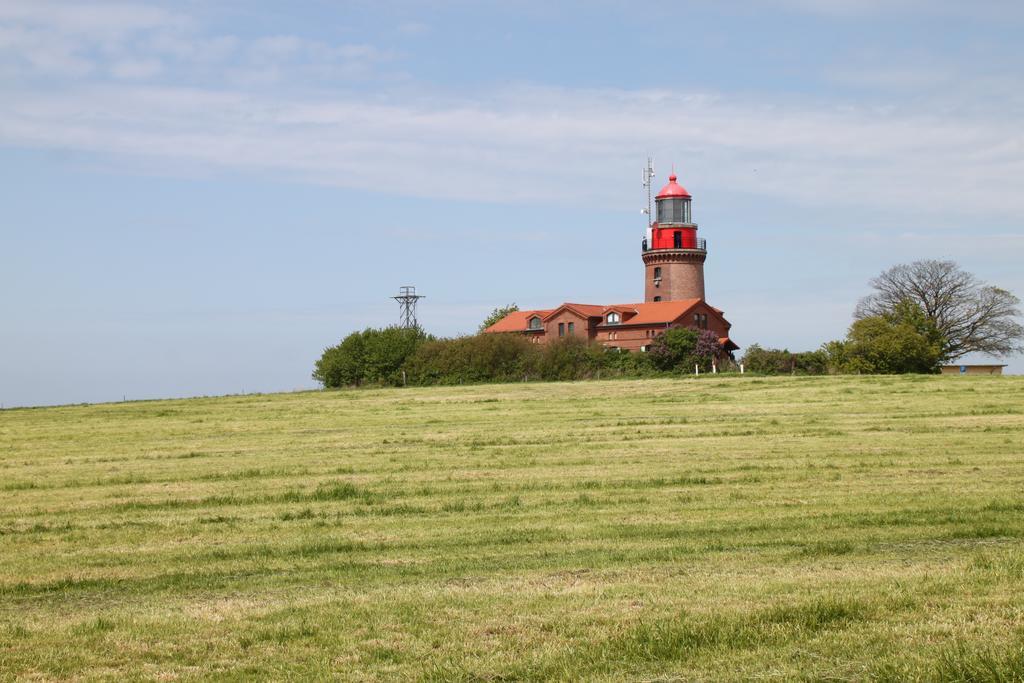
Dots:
pixel 820 528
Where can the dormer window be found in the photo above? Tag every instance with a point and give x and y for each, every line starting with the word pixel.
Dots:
pixel 535 323
pixel 613 319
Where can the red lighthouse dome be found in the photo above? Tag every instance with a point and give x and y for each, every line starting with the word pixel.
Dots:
pixel 673 189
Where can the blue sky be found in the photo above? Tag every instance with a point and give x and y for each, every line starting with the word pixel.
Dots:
pixel 197 197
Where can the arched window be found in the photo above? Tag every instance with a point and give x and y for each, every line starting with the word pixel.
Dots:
pixel 613 318
pixel 535 323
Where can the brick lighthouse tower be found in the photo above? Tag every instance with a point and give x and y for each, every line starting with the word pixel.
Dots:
pixel 673 255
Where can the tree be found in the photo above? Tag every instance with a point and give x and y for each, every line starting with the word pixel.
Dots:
pixel 496 315
pixel 385 350
pixel 903 340
pixel 682 347
pixel 707 348
pixel 341 365
pixel 970 316
pixel 373 355
pixel 673 348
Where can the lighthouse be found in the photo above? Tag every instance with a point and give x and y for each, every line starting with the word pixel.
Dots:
pixel 673 254
pixel 673 290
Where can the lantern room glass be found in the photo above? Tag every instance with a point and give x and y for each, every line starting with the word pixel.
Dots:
pixel 673 211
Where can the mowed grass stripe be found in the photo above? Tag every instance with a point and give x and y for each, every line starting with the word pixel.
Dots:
pixel 717 528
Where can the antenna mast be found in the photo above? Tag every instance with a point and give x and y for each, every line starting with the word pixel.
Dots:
pixel 648 176
pixel 407 298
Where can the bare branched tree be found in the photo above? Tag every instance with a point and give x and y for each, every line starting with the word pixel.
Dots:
pixel 972 317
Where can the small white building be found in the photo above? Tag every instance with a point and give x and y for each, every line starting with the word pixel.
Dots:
pixel 972 369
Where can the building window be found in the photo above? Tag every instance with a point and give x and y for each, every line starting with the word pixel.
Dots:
pixel 657 272
pixel 561 329
pixel 572 329
pixel 613 318
pixel 657 298
pixel 677 239
pixel 535 323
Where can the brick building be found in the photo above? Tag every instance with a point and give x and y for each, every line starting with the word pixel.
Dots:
pixel 673 259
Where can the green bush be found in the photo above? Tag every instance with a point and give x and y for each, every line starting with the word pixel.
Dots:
pixel 571 358
pixel 617 363
pixel 478 358
pixel 373 356
pixel 782 361
pixel 681 348
pixel 513 358
pixel 901 341
pixel 674 348
pixel 396 355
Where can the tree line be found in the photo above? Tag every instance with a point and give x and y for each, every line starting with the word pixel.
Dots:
pixel 919 316
pixel 398 356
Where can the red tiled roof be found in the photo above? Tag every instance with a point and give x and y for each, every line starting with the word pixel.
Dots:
pixel 517 321
pixel 585 310
pixel 651 313
pixel 656 312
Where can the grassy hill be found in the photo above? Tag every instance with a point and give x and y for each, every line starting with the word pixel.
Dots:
pixel 712 528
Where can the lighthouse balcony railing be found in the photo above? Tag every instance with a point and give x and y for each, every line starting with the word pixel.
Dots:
pixel 699 244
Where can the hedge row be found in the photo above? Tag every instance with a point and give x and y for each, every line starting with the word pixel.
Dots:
pixel 396 356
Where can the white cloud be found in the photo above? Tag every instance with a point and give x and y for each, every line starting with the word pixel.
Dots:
pixel 512 144
pixel 132 41
pixel 89 18
pixel 27 49
pixel 136 68
pixel 847 8
pixel 413 28
pixel 543 144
